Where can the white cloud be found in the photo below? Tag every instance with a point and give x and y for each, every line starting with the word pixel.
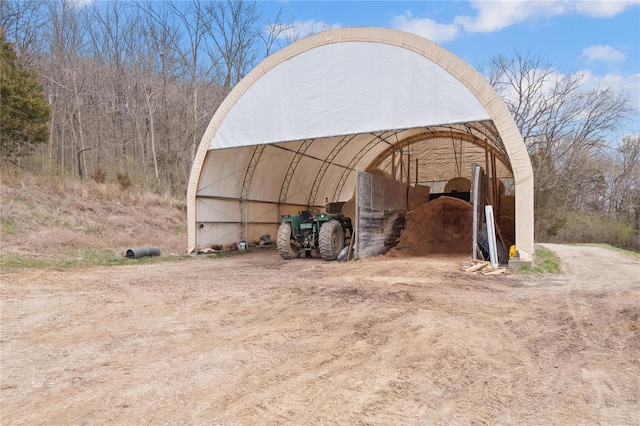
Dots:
pixel 625 83
pixel 603 53
pixel 81 3
pixel 495 15
pixel 426 28
pixel 492 16
pixel 603 8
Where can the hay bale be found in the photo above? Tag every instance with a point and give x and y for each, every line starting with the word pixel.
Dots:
pixel 507 227
pixel 459 184
pixel 508 206
pixel 378 172
pixel 501 187
pixel 349 209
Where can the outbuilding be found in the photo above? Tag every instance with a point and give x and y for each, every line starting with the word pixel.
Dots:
pixel 299 128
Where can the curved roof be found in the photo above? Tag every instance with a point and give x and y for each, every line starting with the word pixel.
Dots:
pixel 295 129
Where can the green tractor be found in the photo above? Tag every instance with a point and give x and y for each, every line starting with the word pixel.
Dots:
pixel 326 234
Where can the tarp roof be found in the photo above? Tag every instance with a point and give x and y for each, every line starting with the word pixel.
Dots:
pixel 294 130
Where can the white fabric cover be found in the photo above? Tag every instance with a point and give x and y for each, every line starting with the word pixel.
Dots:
pixel 346 88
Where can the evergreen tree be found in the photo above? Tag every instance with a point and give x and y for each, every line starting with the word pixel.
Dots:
pixel 23 107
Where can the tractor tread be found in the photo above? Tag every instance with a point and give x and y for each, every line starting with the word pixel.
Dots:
pixel 331 239
pixel 283 242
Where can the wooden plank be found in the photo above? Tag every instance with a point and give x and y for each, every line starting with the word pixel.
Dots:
pixel 477 202
pixel 478 266
pixel 496 186
pixel 474 205
pixel 487 167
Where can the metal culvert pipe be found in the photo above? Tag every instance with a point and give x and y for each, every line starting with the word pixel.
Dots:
pixel 134 253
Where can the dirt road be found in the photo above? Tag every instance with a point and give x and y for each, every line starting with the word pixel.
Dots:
pixel 595 267
pixel 252 339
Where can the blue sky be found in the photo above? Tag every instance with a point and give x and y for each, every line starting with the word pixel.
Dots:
pixel 598 38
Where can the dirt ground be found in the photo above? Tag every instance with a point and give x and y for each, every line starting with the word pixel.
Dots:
pixel 253 339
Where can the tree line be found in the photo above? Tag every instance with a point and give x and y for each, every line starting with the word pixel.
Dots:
pixel 587 179
pixel 131 86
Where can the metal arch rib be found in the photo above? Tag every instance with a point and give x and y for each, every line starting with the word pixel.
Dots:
pixel 284 189
pixel 325 166
pixel 488 132
pixel 345 173
pixel 430 134
pixel 244 193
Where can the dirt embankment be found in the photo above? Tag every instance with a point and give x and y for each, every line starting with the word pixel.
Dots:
pixel 56 219
pixel 253 339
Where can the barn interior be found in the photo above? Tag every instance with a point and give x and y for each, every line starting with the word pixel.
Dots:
pixel 383 126
pixel 422 180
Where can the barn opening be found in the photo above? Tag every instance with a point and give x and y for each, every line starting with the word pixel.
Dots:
pixel 382 122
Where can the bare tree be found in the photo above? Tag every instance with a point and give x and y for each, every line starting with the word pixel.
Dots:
pixel 273 32
pixel 22 22
pixel 65 36
pixel 131 85
pixel 195 62
pixel 624 195
pixel 562 124
pixel 111 45
pixel 235 34
pixel 157 66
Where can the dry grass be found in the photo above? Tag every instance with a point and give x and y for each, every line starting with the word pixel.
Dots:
pixel 57 218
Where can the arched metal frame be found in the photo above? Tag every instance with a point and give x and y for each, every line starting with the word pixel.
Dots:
pixel 433 134
pixel 246 185
pixel 325 166
pixel 468 133
pixel 379 138
pixel 291 170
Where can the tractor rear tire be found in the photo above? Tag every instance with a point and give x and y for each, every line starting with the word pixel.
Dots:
pixel 286 247
pixel 331 239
